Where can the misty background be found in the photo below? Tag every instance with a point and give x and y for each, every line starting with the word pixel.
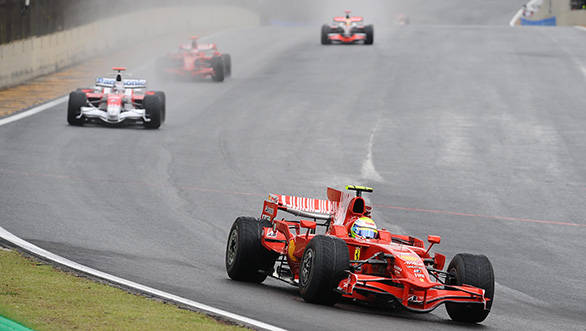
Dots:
pixel 47 16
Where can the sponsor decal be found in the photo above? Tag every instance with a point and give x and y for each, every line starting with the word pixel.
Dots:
pixel 269 210
pixel 416 263
pixel 409 257
pixel 134 82
pixel 357 253
pixel 291 250
pixel 271 233
pixel 398 270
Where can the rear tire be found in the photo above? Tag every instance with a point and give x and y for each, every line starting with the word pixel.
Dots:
pixel 246 258
pixel 369 30
pixel 153 110
pixel 475 270
pixel 218 66
pixel 77 100
pixel 227 65
pixel 325 30
pixel 324 264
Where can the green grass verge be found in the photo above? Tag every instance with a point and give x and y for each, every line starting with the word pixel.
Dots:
pixel 43 298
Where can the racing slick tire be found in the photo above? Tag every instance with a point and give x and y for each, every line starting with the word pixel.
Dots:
pixel 246 259
pixel 77 99
pixel 369 30
pixel 475 270
pixel 153 108
pixel 324 264
pixel 325 30
pixel 227 65
pixel 218 66
pixel 163 98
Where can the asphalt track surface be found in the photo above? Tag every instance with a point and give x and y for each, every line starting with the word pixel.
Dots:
pixel 473 133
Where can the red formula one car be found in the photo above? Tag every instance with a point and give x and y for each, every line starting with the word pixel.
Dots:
pixel 196 60
pixel 347 30
pixel 353 259
pixel 114 101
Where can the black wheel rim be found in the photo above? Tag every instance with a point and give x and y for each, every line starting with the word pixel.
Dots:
pixel 232 247
pixel 306 267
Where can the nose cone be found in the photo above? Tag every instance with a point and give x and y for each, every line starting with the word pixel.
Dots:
pixel 113 112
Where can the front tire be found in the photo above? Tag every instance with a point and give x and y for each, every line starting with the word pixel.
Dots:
pixel 246 258
pixel 77 99
pixel 153 110
pixel 475 270
pixel 324 264
pixel 163 98
pixel 369 30
pixel 325 30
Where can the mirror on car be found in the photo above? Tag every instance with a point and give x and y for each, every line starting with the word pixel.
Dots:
pixel 433 239
pixel 307 224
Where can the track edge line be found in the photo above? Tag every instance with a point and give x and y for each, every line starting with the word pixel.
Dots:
pixel 21 244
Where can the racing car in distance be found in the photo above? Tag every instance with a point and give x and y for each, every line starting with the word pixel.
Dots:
pixel 347 30
pixel 114 100
pixel 196 60
pixel 385 269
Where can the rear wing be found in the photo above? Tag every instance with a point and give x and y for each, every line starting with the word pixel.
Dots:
pixel 128 83
pixel 352 19
pixel 298 206
pixel 334 209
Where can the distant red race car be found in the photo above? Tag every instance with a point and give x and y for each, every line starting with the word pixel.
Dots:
pixel 347 30
pixel 353 259
pixel 196 60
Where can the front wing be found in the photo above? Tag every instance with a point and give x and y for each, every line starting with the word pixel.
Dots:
pixel 416 295
pixel 347 39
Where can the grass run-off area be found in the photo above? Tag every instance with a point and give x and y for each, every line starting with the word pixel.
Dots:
pixel 41 297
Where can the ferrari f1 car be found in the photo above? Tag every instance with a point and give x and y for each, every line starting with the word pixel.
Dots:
pixel 115 100
pixel 196 60
pixel 386 269
pixel 347 30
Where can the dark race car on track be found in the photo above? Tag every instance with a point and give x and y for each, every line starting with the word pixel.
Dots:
pixel 347 30
pixel 114 100
pixel 353 259
pixel 196 60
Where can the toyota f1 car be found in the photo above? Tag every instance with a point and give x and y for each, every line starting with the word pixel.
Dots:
pixel 196 60
pixel 389 270
pixel 347 30
pixel 116 100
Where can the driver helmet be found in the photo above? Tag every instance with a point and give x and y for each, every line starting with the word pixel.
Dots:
pixel 363 228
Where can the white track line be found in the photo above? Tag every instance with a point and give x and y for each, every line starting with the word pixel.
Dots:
pixel 516 17
pixel 46 255
pixel 32 111
pixel 583 28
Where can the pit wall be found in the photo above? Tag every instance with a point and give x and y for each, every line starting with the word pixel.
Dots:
pixel 25 59
pixel 550 12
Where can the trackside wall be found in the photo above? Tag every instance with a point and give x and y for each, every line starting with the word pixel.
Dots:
pixel 26 59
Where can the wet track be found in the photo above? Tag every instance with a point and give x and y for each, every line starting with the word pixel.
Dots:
pixel 473 133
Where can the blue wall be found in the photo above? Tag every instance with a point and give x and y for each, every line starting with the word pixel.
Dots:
pixel 551 21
